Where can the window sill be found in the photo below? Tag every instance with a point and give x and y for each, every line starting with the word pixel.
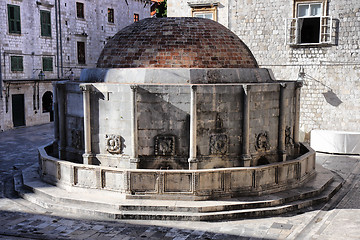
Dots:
pixel 304 45
pixel 15 34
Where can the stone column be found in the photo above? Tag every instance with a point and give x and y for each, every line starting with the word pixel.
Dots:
pixel 56 118
pixel 62 119
pixel 134 158
pixel 298 86
pixel 281 132
pixel 193 121
pixel 87 156
pixel 246 157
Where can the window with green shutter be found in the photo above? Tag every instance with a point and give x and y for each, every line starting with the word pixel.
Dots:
pixel 14 19
pixel 47 64
pixel 45 20
pixel 17 63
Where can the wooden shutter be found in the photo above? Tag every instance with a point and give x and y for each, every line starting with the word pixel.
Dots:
pixel 14 19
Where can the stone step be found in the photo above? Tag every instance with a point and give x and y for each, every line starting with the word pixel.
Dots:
pixel 238 213
pixel 234 214
pixel 112 205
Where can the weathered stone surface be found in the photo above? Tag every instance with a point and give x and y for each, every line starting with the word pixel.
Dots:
pixel 331 68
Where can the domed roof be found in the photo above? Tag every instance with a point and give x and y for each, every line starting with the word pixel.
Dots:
pixel 176 43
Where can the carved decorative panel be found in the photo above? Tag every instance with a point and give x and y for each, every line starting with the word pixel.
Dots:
pixel 114 144
pixel 288 139
pixel 164 145
pixel 218 144
pixel 262 141
pixel 76 139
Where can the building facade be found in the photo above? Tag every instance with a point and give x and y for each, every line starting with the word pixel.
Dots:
pixel 48 40
pixel 314 40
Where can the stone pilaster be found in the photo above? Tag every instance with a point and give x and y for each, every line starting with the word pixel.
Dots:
pixel 134 158
pixel 193 121
pixel 281 131
pixel 62 124
pixel 56 118
pixel 87 156
pixel 298 87
pixel 246 157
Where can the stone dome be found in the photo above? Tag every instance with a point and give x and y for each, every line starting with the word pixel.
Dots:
pixel 176 43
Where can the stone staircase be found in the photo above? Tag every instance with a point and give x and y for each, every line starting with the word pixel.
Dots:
pixel 102 204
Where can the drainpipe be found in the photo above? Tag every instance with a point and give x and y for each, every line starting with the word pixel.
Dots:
pixel 61 50
pixel 57 40
pixel 229 14
pixel 1 86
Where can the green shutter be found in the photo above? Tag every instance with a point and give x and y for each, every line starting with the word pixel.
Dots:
pixel 14 19
pixel 45 21
pixel 47 64
pixel 16 63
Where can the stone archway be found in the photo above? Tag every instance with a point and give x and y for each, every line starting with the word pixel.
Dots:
pixel 47 104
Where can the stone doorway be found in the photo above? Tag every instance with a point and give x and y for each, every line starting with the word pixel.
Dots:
pixel 18 110
pixel 47 104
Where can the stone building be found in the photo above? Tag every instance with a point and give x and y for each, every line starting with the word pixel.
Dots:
pixel 315 40
pixel 57 39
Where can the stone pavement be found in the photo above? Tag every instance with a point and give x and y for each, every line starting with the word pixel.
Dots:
pixel 339 219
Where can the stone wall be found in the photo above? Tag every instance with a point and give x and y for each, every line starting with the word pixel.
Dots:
pixel 179 184
pixel 219 127
pixel 162 117
pixel 94 30
pixel 33 95
pixel 331 91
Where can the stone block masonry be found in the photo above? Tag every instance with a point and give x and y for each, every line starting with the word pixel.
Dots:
pixel 329 98
pixel 93 29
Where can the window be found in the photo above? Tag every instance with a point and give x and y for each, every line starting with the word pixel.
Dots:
pixel 45 21
pixel 110 15
pixel 16 63
pixel 136 17
pixel 47 64
pixel 81 52
pixel 310 26
pixel 80 10
pixel 204 10
pixel 208 15
pixel 14 19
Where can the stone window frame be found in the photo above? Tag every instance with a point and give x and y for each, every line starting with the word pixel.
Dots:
pixel 14 22
pixel 16 63
pixel 111 15
pixel 47 64
pixel 80 10
pixel 81 52
pixel 294 25
pixel 45 22
pixel 203 8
